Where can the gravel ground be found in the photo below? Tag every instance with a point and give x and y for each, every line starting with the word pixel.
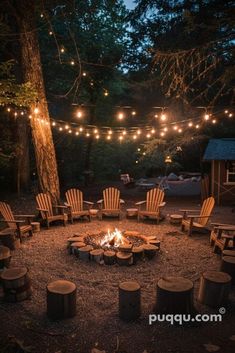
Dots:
pixel 97 323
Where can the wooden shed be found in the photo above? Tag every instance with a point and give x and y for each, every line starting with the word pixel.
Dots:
pixel 221 154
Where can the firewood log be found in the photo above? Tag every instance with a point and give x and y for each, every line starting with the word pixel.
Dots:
pixel 138 253
pixel 150 250
pixel 84 252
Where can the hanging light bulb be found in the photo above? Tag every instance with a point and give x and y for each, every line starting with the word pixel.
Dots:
pixel 97 137
pixel 81 129
pixel 106 93
pixel 226 111
pixel 30 116
pixel 163 117
pixel 76 133
pixel 84 74
pixel 138 149
pixel 214 121
pixel 156 116
pixel 138 132
pixel 148 136
pixel 62 50
pixel 95 131
pixel 15 113
pixel 120 116
pixel 110 132
pixel 180 130
pixel 53 123
pixel 60 129
pixel 124 132
pixel 72 62
pixel 153 131
pixel 120 138
pixel 190 124
pixel 108 137
pixel 79 114
pixel 87 134
pixel 206 116
pixel 66 127
pixel 230 115
pixel 136 162
pixel 50 33
pixel 197 126
pixel 165 129
pixel 144 153
pixel 70 131
pixel 134 137
pixel 36 110
pixel 162 134
pixel 175 127
pixel 8 109
pixel 21 113
pixel 133 113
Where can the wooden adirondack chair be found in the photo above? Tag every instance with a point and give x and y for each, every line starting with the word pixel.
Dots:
pixel 111 203
pixel 18 226
pixel 75 204
pixel 221 235
pixel 153 205
pixel 198 222
pixel 47 210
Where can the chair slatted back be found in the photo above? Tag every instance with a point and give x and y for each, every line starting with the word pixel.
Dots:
pixel 111 198
pixel 44 202
pixel 7 214
pixel 74 198
pixel 207 207
pixel 154 199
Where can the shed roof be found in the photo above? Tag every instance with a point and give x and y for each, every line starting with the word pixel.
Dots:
pixel 220 150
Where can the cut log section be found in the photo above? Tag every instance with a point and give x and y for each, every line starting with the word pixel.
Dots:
pixel 35 227
pixel 151 237
pixel 8 239
pixel 124 258
pixel 150 250
pixel 155 242
pixel 97 255
pixel 138 253
pixel 174 295
pixel 228 253
pixel 129 301
pixel 75 247
pixel 125 248
pixel 109 257
pixel 14 277
pixel 16 284
pixel 131 233
pixel 228 266
pixel 214 288
pixel 5 256
pixel 61 299
pixel 84 252
pixel 74 240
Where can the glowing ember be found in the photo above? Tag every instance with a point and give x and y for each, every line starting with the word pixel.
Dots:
pixel 114 239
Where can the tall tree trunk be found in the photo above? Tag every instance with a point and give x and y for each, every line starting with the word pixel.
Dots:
pixel 22 156
pixel 40 122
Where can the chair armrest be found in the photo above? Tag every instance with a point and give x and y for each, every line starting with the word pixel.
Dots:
pixel 184 210
pixel 42 210
pixel 221 225
pixel 162 204
pixel 59 206
pixel 100 201
pixel 11 221
pixel 67 204
pixel 228 228
pixel 25 215
pixel 140 203
pixel 89 203
pixel 198 216
pixel 122 201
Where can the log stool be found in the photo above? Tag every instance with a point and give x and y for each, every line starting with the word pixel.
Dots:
pixel 176 219
pixel 174 295
pixel 16 284
pixel 8 238
pixel 138 253
pixel 228 266
pixel 228 253
pixel 109 257
pixel 93 212
pixel 214 288
pixel 74 248
pixel 124 258
pixel 97 255
pixel 35 227
pixel 129 301
pixel 150 250
pixel 5 256
pixel 84 252
pixel 131 212
pixel 61 299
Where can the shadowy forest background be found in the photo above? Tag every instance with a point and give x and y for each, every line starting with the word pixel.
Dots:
pixel 99 56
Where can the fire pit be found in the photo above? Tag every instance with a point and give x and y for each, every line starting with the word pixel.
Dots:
pixel 123 248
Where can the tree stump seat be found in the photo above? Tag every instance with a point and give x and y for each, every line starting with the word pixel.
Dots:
pixel 16 284
pixel 228 252
pixel 228 266
pixel 129 300
pixel 61 299
pixel 174 295
pixel 5 256
pixel 109 257
pixel 214 288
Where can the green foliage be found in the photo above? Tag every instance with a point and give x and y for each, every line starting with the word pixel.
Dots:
pixel 12 92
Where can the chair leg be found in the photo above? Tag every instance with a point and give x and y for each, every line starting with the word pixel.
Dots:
pixel 30 233
pixel 48 223
pixel 64 221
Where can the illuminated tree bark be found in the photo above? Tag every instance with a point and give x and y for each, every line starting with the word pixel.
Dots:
pixel 40 121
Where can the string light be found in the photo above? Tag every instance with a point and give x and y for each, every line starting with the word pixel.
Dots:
pixel 165 129
pixel 62 50
pixel 134 137
pixel 95 131
pixel 50 33
pixel 156 116
pixel 230 115
pixel 60 129
pixel 124 132
pixel 214 121
pixel 36 110
pixel 87 134
pixel 72 62
pixel 179 130
pixel 133 113
pixel 153 131
pixel 106 93
pixel 21 113
pixel 84 74
pixel 97 137
pixel 175 127
pixel 226 111
pixel 138 132
pixel 190 124
pixel 162 134
pixel 80 129
pixel 79 114
pixel 206 116
pixel 138 149
pixel 8 109
pixel 70 131
pixel 53 123
pixel 197 126
pixel 108 137
pixel 30 116
pixel 120 116
pixel 163 117
pixel 15 113
pixel 110 132
pixel 120 138
pixel 66 127
pixel 76 133
pixel 148 136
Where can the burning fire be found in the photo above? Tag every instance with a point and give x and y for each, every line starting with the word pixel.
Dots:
pixel 114 238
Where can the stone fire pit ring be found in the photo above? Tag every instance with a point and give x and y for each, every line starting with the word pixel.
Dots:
pixel 133 248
